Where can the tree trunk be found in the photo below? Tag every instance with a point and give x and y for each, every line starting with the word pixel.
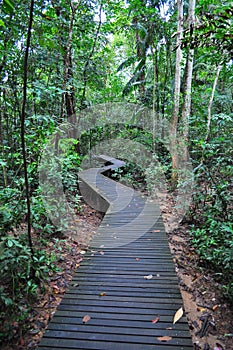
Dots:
pixel 176 108
pixel 141 54
pixel 23 113
pixel 211 102
pixel 68 98
pixel 83 98
pixel 186 110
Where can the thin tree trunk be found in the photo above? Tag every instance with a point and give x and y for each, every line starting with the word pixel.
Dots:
pixel 5 180
pixel 211 103
pixel 23 114
pixel 83 98
pixel 187 95
pixel 176 108
pixel 141 54
pixel 188 84
pixel 154 112
pixel 68 97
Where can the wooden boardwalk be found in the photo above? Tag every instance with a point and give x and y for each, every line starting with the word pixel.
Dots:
pixel 126 279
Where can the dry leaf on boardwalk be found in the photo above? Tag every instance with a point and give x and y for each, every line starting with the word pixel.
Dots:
pixel 155 320
pixel 179 313
pixel 165 338
pixel 86 318
pixel 148 277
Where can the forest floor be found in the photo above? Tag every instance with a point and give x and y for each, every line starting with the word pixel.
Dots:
pixel 209 316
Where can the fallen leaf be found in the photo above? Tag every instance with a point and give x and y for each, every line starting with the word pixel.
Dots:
pixel 103 294
pixel 83 252
pixel 102 253
pixel 86 318
pixel 156 231
pixel 155 320
pixel 149 277
pixel 214 307
pixel 164 338
pixel 75 285
pixel 137 259
pixel 178 315
pixel 57 290
pixel 201 309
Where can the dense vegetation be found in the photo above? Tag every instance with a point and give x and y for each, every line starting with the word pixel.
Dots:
pixel 58 58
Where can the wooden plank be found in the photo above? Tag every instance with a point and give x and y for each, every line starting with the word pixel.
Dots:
pixel 67 344
pixel 143 317
pixel 123 338
pixel 113 329
pixel 142 324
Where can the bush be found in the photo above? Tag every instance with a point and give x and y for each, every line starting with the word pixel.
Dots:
pixel 214 245
pixel 21 275
pixel 211 212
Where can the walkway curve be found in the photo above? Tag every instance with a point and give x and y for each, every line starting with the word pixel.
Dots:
pixel 126 283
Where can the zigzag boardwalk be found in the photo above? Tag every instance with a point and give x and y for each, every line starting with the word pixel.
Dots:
pixel 110 285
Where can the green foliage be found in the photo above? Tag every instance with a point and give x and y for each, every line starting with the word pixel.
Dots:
pixel 18 267
pixel 21 276
pixel 131 175
pixel 212 200
pixel 8 6
pixel 12 207
pixel 214 245
pixel 214 28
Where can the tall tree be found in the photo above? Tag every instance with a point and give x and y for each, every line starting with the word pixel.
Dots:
pixel 23 113
pixel 186 110
pixel 68 87
pixel 88 60
pixel 176 107
pixel 211 102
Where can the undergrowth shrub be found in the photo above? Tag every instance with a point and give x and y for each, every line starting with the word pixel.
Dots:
pixel 21 276
pixel 214 245
pixel 211 212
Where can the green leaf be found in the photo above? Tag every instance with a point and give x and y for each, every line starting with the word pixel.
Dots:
pixel 2 24
pixel 126 63
pixel 8 6
pixel 10 243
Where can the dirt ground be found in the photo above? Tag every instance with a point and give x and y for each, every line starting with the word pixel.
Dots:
pixel 209 316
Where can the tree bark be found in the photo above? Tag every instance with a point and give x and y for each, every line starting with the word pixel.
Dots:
pixel 186 110
pixel 83 98
pixel 211 103
pixel 176 108
pixel 23 114
pixel 68 97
